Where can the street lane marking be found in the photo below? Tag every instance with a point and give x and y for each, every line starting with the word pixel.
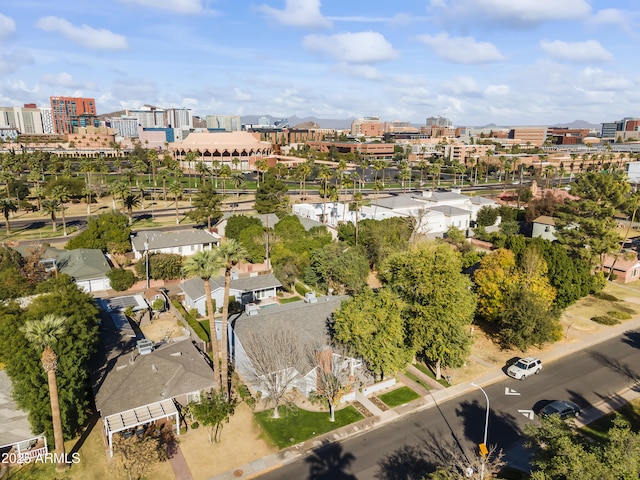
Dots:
pixel 510 391
pixel 527 413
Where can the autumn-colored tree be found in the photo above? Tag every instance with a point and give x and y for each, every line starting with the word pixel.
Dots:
pixel 491 278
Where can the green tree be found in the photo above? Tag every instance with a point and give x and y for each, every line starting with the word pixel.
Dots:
pixel 487 216
pixel 372 325
pixel 439 304
pixel 213 411
pixel 43 335
pixel 344 270
pixel 206 264
pixel 176 189
pixel 271 197
pixel 587 225
pixel 62 298
pixel 561 451
pixel 237 223
pixel 108 232
pixel 129 202
pixel 382 238
pixel 162 266
pixel 121 279
pixel 207 205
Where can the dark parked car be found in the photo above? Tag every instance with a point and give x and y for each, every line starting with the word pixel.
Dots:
pixel 564 408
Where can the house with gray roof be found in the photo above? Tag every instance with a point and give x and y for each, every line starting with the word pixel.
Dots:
pixel 137 387
pixel 309 320
pixel 181 242
pixel 88 267
pixel 245 289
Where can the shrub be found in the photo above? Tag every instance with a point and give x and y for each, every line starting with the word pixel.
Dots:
pixel 619 314
pixel 191 320
pixel 121 279
pixel 158 305
pixel 605 296
pixel 195 425
pixel 300 288
pixel 605 320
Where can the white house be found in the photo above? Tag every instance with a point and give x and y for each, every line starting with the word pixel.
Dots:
pixel 181 242
pixel 254 288
pixel 308 320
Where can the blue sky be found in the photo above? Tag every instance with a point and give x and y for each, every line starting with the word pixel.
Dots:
pixel 509 62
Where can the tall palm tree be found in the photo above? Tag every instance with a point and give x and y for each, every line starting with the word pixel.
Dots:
pixel 325 174
pixel 8 207
pixel 44 334
pixel 206 264
pixel 175 188
pixel 129 202
pixel 50 207
pixel 60 194
pixel 230 253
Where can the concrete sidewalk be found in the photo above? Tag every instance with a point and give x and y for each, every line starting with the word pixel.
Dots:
pixel 435 397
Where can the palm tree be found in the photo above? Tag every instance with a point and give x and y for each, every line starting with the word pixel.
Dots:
pixel 50 207
pixel 230 253
pixel 8 207
pixel 61 194
pixel 129 202
pixel 357 200
pixel 325 174
pixel 176 190
pixel 43 334
pixel 205 264
pixel 237 179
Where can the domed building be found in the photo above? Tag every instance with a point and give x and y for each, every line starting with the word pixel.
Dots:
pixel 238 150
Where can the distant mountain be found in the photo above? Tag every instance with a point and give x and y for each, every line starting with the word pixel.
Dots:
pixel 579 124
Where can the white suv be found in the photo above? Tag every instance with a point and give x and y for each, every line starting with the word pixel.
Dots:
pixel 524 367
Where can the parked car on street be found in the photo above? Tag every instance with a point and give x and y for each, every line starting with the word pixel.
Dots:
pixel 564 408
pixel 524 367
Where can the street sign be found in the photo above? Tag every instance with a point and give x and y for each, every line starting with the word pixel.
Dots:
pixel 483 450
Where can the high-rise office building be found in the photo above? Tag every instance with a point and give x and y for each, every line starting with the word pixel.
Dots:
pixel 71 112
pixel 228 123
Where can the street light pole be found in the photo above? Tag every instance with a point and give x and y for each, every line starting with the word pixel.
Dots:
pixel 146 254
pixel 483 451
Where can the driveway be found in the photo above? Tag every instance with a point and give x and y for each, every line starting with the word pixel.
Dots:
pixel 14 425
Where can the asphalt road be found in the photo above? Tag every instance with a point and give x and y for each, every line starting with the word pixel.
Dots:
pixel 389 452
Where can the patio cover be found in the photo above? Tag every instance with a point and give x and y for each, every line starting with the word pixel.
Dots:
pixel 119 422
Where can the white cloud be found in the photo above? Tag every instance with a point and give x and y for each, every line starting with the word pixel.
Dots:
pixel 518 11
pixel 578 52
pixel 12 61
pixel 84 34
pixel 462 85
pixel 497 91
pixel 461 49
pixel 368 72
pixel 64 79
pixel 613 17
pixel 177 6
pixel 597 79
pixel 241 96
pixel 360 47
pixel 298 13
pixel 7 26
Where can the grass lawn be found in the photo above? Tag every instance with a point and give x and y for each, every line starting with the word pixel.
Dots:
pixel 297 425
pixel 427 371
pixel 398 397
pixel 419 381
pixel 289 300
pixel 599 428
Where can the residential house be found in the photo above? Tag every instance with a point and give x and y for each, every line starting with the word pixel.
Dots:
pixel 433 212
pixel 138 387
pixel 308 319
pixel 626 268
pixel 181 242
pixel 88 267
pixel 245 289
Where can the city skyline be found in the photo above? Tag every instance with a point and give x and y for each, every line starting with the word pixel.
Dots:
pixel 476 62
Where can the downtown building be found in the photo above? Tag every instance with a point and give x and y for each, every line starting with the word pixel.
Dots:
pixel 68 113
